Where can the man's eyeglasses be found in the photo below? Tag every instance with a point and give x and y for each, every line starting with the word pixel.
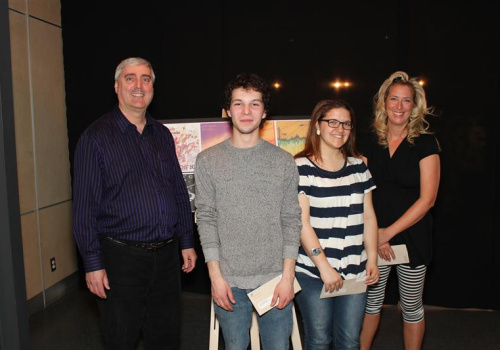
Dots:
pixel 334 123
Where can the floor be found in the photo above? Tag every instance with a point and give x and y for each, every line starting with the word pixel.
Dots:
pixel 72 324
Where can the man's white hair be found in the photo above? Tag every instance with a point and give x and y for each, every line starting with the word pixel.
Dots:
pixel 133 61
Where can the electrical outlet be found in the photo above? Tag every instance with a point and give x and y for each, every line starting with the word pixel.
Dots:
pixel 53 264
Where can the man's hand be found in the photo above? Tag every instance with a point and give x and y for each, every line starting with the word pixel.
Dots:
pixel 189 257
pixel 283 293
pixel 222 294
pixel 97 282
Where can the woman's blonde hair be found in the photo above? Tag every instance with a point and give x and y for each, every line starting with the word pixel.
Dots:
pixel 417 124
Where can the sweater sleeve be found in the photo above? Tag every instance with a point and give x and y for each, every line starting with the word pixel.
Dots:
pixel 206 213
pixel 290 212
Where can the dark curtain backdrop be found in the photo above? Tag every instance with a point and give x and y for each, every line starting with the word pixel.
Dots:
pixel 197 47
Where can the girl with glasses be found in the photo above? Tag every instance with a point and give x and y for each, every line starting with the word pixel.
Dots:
pixel 339 233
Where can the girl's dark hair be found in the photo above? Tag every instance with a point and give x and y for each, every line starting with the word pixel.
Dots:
pixel 312 148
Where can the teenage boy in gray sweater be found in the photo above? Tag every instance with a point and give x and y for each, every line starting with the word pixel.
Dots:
pixel 248 219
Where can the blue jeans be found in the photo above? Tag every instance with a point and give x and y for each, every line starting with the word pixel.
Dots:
pixel 275 326
pixel 336 320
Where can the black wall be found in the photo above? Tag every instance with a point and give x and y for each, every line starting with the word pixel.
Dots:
pixel 196 48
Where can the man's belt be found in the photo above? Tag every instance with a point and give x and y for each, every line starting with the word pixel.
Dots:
pixel 143 245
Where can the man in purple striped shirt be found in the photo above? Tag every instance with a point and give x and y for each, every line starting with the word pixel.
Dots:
pixel 131 211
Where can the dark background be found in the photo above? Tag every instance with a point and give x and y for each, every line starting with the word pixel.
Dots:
pixel 196 47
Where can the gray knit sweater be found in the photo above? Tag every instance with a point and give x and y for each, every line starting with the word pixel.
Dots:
pixel 247 210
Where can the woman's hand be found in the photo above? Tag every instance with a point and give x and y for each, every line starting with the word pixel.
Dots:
pixel 385 252
pixel 383 236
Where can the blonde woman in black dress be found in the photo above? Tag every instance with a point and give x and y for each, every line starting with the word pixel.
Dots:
pixel 404 162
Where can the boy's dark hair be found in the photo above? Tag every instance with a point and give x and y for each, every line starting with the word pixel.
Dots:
pixel 247 81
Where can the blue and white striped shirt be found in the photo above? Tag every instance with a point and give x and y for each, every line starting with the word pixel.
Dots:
pixel 336 214
pixel 127 185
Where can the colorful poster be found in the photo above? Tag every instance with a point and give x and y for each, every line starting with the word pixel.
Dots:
pixel 191 138
pixel 291 134
pixel 214 133
pixel 268 132
pixel 187 143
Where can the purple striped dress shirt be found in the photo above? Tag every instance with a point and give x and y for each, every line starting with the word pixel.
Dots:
pixel 129 186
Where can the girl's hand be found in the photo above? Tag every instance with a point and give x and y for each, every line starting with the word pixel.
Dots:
pixel 372 273
pixel 332 280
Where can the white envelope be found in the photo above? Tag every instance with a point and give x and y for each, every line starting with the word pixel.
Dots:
pixel 261 297
pixel 401 256
pixel 352 286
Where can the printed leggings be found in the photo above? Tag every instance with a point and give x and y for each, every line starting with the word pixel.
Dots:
pixel 411 288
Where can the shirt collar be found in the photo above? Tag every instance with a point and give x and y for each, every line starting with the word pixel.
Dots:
pixel 123 123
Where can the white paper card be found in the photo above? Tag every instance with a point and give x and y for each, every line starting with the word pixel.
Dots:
pixel 261 297
pixel 401 256
pixel 352 286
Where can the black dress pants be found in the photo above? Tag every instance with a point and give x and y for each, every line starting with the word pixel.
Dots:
pixel 144 298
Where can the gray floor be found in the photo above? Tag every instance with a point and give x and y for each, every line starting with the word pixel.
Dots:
pixel 72 324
